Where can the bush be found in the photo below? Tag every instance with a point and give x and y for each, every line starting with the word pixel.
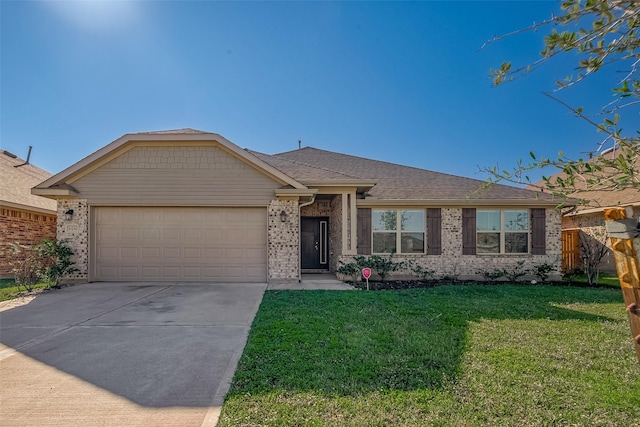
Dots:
pixel 541 271
pixel 26 265
pixel 56 261
pixel 423 273
pixel 491 275
pixel 515 273
pixel 349 269
pixel 382 265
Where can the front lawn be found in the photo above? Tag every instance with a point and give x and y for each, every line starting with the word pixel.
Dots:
pixel 9 289
pixel 453 356
pixel 604 279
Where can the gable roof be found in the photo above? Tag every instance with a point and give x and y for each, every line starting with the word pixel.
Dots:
pixel 302 171
pixel 58 185
pixel 16 183
pixel 396 182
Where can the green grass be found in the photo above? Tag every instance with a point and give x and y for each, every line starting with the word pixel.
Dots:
pixel 9 290
pixel 605 279
pixel 446 356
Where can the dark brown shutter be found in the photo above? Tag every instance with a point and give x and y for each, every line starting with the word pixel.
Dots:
pixel 364 231
pixel 434 231
pixel 538 231
pixel 468 231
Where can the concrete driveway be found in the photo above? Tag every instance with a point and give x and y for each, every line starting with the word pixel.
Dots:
pixel 123 354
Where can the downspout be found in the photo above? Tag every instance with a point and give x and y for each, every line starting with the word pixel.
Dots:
pixel 300 206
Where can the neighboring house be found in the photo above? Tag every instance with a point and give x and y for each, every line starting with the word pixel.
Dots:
pixel 187 205
pixel 587 222
pixel 25 219
pixel 583 225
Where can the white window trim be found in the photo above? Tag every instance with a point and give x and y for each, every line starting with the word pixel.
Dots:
pixel 503 232
pixel 398 232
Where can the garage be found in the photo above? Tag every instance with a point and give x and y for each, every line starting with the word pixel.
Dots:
pixel 215 244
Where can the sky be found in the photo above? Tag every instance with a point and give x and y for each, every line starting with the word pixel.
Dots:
pixel 404 82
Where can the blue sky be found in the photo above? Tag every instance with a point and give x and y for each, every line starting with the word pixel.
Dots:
pixel 403 82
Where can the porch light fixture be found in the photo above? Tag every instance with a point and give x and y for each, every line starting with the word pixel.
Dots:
pixel 68 215
pixel 283 216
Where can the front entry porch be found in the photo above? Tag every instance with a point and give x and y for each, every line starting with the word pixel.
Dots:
pixel 320 281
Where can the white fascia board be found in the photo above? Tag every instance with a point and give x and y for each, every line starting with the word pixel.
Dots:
pixel 302 192
pixel 370 202
pixel 52 192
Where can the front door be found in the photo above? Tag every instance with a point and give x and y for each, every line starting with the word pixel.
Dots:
pixel 314 243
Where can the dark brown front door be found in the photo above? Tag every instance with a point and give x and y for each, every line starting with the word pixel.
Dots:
pixel 314 242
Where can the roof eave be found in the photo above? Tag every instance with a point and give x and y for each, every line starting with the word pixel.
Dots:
pixel 601 209
pixel 54 193
pixel 374 202
pixel 361 185
pixel 4 203
pixel 292 192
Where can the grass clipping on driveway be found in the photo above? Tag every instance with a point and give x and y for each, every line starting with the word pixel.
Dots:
pixel 451 355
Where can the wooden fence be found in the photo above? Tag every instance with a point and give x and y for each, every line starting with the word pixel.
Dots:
pixel 570 249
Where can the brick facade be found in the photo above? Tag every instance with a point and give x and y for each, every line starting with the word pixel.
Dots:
pixel 25 228
pixel 335 232
pixel 75 233
pixel 451 262
pixel 283 242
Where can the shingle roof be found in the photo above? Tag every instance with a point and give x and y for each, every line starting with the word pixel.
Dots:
pixel 603 198
pixel 16 184
pixel 174 131
pixel 394 182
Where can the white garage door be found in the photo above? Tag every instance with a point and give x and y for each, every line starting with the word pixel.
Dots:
pixel 179 244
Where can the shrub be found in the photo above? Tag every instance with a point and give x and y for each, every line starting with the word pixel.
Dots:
pixel 56 260
pixel 541 271
pixel 491 275
pixel 382 265
pixel 516 272
pixel 26 265
pixel 453 275
pixel 423 273
pixel 349 269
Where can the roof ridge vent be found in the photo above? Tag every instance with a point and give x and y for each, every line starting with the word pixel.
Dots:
pixel 10 154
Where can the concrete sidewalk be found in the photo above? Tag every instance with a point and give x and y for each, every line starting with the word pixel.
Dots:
pixel 315 281
pixel 117 354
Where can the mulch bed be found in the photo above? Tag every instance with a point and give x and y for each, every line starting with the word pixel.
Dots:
pixel 414 284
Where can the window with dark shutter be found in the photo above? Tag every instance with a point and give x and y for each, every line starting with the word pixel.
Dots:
pixel 434 231
pixel 468 231
pixel 538 231
pixel 364 231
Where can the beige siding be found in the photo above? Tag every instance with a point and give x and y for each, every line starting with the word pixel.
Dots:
pixel 179 244
pixel 176 175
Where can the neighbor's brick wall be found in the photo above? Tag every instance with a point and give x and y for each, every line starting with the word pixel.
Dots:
pixel 452 263
pixel 283 241
pixel 75 234
pixel 25 228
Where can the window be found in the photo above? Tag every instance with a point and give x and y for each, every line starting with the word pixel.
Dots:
pixel 398 231
pixel 502 231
